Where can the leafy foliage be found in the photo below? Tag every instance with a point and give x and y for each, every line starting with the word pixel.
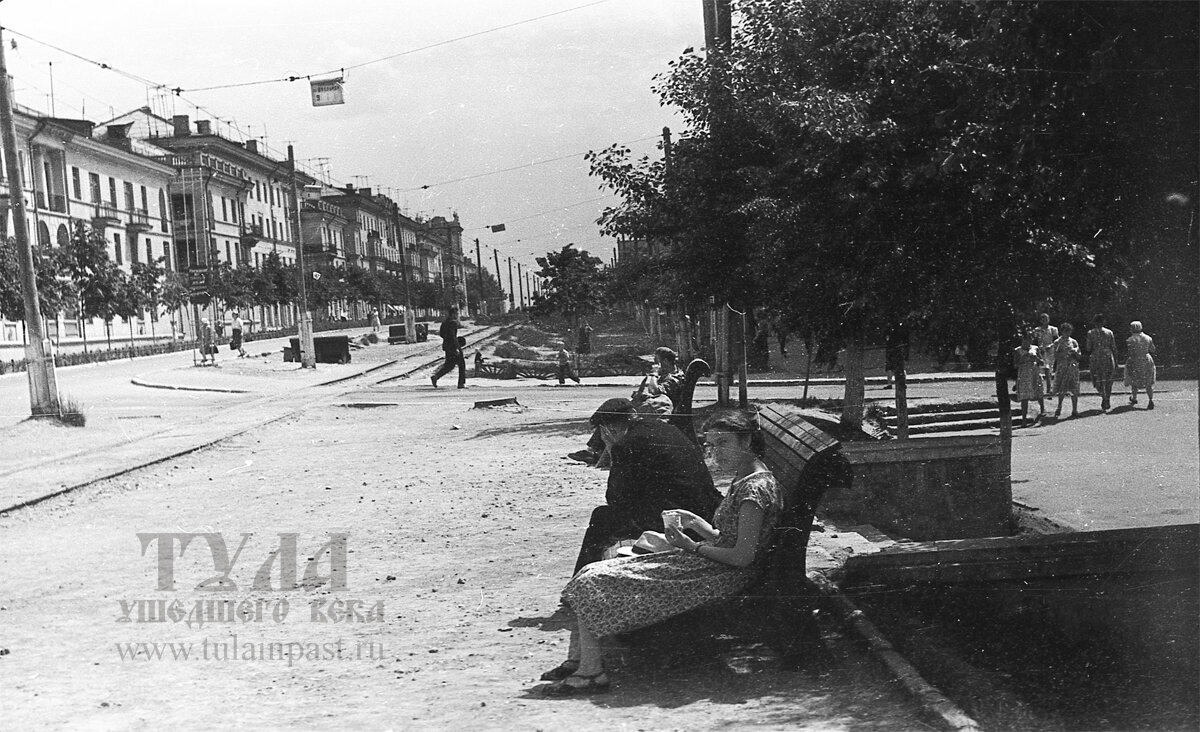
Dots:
pixel 573 282
pixel 857 164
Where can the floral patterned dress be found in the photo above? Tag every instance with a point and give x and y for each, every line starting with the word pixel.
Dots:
pixel 1029 373
pixel 1066 367
pixel 1140 371
pixel 619 595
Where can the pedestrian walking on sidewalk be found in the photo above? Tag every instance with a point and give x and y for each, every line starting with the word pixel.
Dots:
pixel 1044 336
pixel 564 365
pixel 452 350
pixel 235 342
pixel 1140 371
pixel 208 342
pixel 1028 363
pixel 1102 360
pixel 1066 368
pixel 374 320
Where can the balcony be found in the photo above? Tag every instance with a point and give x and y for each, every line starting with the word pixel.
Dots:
pixel 251 234
pixel 105 216
pixel 139 220
pixel 50 202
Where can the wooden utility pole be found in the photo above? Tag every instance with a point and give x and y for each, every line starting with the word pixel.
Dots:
pixel 308 356
pixel 520 286
pixel 479 271
pixel 39 355
pixel 511 302
pixel 499 279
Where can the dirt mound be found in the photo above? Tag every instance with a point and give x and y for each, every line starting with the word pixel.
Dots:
pixel 529 336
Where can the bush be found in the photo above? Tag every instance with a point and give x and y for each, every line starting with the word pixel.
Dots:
pixel 70 412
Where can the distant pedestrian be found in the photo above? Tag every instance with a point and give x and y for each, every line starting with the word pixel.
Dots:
pixel 374 319
pixel 781 334
pixel 453 352
pixel 564 365
pixel 1066 368
pixel 1044 336
pixel 1102 360
pixel 1028 362
pixel 583 344
pixel 207 338
pixel 895 353
pixel 235 341
pixel 1140 372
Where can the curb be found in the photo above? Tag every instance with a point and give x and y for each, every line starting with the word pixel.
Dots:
pixel 138 381
pixel 932 701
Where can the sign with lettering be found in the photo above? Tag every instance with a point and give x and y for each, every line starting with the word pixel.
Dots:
pixel 326 92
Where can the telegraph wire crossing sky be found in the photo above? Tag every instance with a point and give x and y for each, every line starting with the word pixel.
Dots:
pixel 474 107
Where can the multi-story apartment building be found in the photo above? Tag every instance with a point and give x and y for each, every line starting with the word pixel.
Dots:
pixel 229 202
pixel 323 228
pixel 73 175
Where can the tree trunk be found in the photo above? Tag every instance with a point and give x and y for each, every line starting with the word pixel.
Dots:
pixel 855 394
pixel 901 402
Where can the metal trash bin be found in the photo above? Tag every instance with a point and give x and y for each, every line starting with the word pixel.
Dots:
pixel 396 334
pixel 422 332
pixel 327 349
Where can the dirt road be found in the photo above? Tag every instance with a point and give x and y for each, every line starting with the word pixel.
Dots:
pixel 460 528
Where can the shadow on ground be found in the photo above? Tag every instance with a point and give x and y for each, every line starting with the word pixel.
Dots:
pixel 550 428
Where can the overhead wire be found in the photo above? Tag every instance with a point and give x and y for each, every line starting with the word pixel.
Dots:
pixel 343 69
pixel 177 93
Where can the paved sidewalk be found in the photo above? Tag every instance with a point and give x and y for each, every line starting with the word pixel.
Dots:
pixel 193 407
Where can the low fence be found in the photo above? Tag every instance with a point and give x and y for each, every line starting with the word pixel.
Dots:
pixel 62 360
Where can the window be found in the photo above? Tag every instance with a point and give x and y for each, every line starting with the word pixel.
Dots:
pixel 94 186
pixel 224 209
pixel 162 210
pixel 76 185
pixel 117 241
pixel 112 192
pixel 228 253
pixel 167 255
pixel 233 210
pixel 149 249
pixel 274 230
pixel 129 197
pixel 145 202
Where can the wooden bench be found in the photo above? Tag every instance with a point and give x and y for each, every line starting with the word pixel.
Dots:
pixel 807 461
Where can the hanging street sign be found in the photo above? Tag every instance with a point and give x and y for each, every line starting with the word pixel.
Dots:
pixel 326 92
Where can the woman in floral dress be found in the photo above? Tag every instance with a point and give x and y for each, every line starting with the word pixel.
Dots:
pixel 1102 359
pixel 1029 376
pixel 623 594
pixel 1066 368
pixel 1140 372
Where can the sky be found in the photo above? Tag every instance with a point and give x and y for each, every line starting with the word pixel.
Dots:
pixel 503 97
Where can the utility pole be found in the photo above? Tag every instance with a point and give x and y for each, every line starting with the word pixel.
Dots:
pixel 520 286
pixel 499 279
pixel 479 271
pixel 307 354
pixel 39 355
pixel 511 302
pixel 410 322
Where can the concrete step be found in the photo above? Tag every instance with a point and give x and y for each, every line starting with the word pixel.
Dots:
pixel 966 425
pixel 935 417
pixel 889 410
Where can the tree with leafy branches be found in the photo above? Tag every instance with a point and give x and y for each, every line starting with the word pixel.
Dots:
pixel 857 165
pixel 573 283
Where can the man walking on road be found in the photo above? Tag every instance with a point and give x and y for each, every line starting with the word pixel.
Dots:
pixel 450 346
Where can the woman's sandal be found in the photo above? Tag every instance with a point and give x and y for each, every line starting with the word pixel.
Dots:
pixel 594 684
pixel 561 671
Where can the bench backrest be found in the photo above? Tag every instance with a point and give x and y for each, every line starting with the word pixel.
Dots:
pixel 806 461
pixel 681 413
